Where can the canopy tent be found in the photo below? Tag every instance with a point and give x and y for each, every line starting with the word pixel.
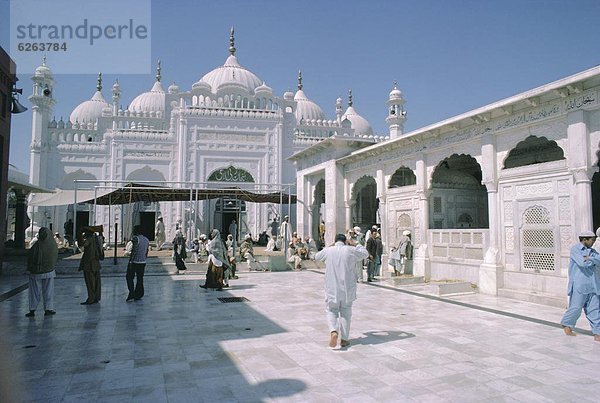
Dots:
pixel 134 192
pixel 62 197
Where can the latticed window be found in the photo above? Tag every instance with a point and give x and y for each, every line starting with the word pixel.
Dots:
pixel 437 204
pixel 538 240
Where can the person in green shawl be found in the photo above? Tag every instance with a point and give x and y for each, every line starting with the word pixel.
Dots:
pixel 40 265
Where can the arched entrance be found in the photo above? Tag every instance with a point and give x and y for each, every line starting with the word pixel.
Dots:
pixel 227 209
pixel 364 212
pixel 458 199
pixel 144 214
pixel 318 211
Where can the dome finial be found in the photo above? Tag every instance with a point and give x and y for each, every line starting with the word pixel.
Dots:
pixel 300 80
pixel 158 76
pixel 44 60
pixel 232 42
pixel 395 84
pixel 350 97
pixel 99 85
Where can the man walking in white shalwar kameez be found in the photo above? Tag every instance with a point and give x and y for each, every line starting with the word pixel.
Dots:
pixel 340 285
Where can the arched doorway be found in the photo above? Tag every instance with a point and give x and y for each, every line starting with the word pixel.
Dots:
pixel 144 214
pixel 318 210
pixel 458 199
pixel 365 209
pixel 226 210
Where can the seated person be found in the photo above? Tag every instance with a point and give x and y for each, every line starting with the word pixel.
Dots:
pixel 301 249
pixel 293 257
pixel 271 245
pixel 247 252
pixel 61 243
pixel 311 246
pixel 263 239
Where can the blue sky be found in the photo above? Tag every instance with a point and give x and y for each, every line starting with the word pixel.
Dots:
pixel 448 56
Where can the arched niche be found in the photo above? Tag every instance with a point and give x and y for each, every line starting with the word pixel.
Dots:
pixel 403 176
pixel 533 150
pixel 146 174
pixel 458 199
pixel 80 174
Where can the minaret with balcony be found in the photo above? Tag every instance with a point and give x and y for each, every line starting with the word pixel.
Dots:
pixel 42 102
pixel 396 113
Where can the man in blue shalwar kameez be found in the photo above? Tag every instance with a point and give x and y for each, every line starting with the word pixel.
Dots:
pixel 584 285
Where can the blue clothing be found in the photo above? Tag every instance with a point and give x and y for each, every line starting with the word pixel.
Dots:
pixel 584 276
pixel 583 287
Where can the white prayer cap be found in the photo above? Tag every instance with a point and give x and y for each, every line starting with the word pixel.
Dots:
pixel 406 232
pixel 248 236
pixel 587 234
pixel 357 229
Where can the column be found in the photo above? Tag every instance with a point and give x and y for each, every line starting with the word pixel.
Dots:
pixel 581 168
pixel 421 262
pixel 334 208
pixel 491 276
pixel 349 206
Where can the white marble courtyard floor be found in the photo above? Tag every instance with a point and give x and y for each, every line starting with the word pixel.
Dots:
pixel 180 344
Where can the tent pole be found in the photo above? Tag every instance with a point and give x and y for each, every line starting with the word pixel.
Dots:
pixel 75 217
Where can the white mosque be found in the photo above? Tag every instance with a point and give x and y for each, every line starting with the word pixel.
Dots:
pixel 495 196
pixel 229 127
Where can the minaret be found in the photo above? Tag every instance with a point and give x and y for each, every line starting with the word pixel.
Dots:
pixel 116 96
pixel 42 105
pixel 396 113
pixel 339 109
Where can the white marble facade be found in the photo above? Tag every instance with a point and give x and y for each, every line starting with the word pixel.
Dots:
pixel 495 196
pixel 229 127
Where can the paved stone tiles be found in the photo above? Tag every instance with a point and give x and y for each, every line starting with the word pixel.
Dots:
pixel 180 344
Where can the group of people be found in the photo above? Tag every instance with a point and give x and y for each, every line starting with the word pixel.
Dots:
pixel 342 260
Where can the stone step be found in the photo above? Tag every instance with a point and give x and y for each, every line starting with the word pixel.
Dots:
pixel 534 296
pixel 408 279
pixel 451 288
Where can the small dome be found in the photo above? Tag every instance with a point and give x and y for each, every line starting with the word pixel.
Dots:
pixel 230 73
pixel 173 88
pixel 151 101
pixel 307 109
pixel 202 86
pixel 360 125
pixel 89 111
pixel 395 94
pixel 43 70
pixel 288 96
pixel 263 88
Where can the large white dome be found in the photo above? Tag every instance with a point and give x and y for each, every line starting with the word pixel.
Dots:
pixel 151 101
pixel 231 74
pixel 89 111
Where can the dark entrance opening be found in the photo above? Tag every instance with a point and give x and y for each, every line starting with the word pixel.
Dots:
pixel 147 223
pixel 596 200
pixel 83 220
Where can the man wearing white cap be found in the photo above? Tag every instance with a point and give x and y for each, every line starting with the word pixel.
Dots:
pixel 406 251
pixel 584 285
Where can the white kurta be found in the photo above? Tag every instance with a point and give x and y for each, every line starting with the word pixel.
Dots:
pixel 340 271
